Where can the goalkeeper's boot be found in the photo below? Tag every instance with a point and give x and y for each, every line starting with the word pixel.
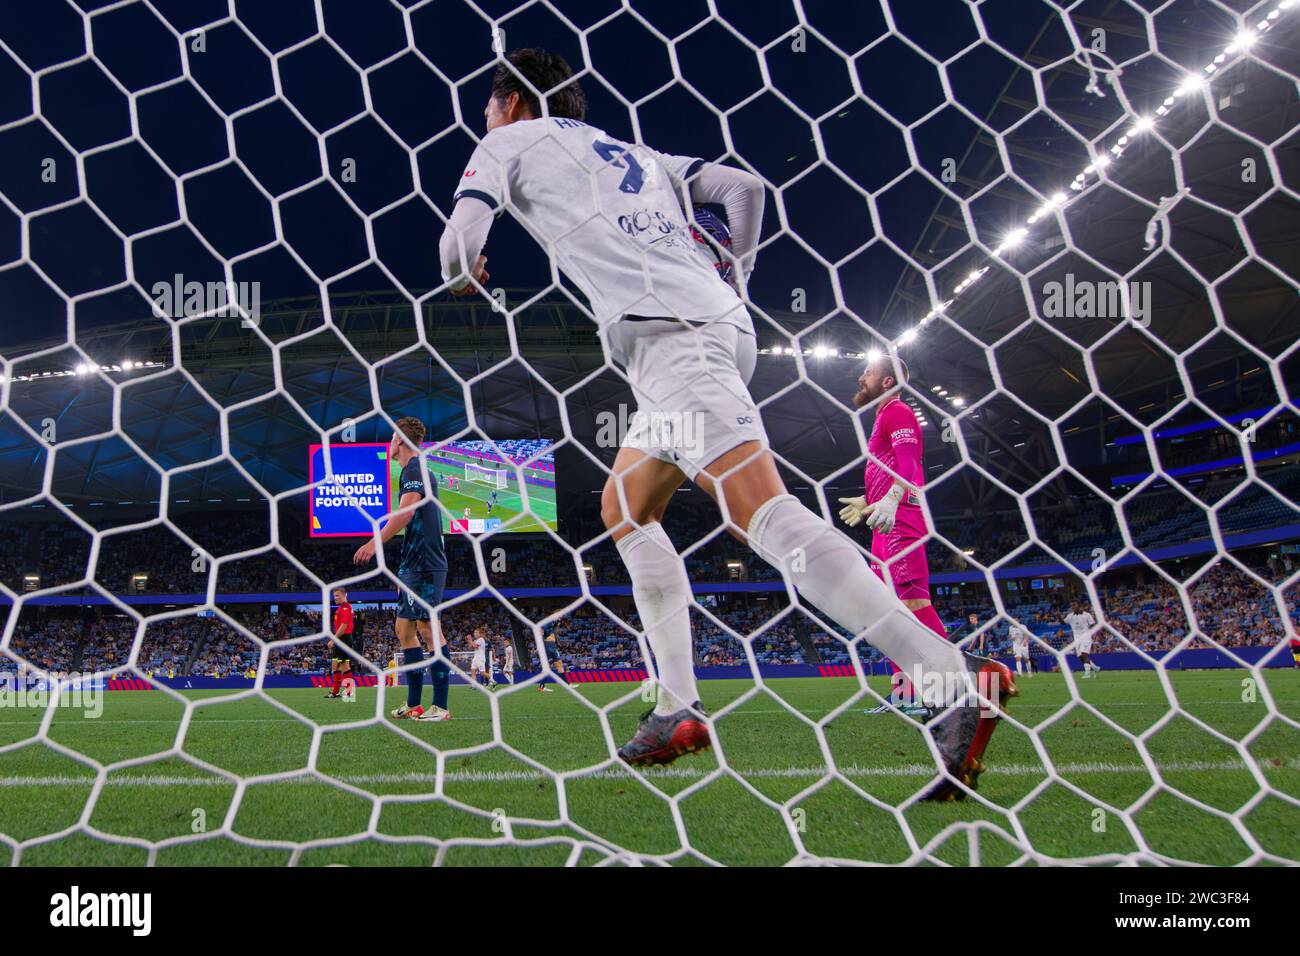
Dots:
pixel 911 709
pixel 961 731
pixel 915 710
pixel 662 738
pixel 408 713
pixel 435 714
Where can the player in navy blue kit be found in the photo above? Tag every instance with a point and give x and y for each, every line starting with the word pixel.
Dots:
pixel 492 501
pixel 422 572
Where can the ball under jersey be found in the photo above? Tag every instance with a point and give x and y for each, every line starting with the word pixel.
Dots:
pixel 1019 635
pixel 610 213
pixel 1081 623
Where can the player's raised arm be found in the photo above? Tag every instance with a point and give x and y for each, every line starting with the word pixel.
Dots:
pixel 478 198
pixel 743 196
pixel 461 247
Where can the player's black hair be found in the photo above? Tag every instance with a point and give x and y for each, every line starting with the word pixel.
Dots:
pixel 547 72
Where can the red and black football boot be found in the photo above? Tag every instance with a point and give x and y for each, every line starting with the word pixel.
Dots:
pixel 962 731
pixel 663 738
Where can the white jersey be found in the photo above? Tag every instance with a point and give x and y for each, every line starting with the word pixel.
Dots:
pixel 480 653
pixel 612 213
pixel 509 664
pixel 1080 624
pixel 1019 636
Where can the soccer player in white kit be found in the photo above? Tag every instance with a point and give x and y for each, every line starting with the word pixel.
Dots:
pixel 508 663
pixel 1020 635
pixel 478 663
pixel 1081 623
pixel 610 215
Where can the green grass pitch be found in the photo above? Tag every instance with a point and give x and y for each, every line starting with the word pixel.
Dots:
pixel 44 792
pixel 510 504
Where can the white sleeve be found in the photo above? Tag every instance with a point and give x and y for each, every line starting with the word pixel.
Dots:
pixel 485 174
pixel 680 168
pixel 463 240
pixel 480 194
pixel 743 196
pixel 739 192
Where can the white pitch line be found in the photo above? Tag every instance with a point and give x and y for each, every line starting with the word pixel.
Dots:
pixel 682 773
pixel 1016 708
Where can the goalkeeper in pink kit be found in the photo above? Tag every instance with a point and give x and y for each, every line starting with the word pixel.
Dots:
pixel 891 507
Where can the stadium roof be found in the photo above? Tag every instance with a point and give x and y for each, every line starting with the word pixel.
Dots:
pixel 1210 343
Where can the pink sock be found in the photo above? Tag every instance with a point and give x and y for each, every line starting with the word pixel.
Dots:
pixel 930 618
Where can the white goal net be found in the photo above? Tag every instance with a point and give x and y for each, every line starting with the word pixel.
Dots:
pixel 496 477
pixel 1068 219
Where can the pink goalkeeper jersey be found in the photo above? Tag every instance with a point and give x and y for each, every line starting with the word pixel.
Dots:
pixel 895 449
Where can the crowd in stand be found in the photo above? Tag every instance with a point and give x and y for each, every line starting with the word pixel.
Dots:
pixel 1139 610
pixel 518 450
pixel 58 552
pixel 1230 608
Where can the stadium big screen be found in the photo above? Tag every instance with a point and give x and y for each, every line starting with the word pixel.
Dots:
pixel 478 485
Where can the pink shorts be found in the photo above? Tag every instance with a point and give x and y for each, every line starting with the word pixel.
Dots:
pixel 900 556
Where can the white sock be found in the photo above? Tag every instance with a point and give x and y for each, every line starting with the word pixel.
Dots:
pixel 1018 670
pixel 834 576
pixel 662 593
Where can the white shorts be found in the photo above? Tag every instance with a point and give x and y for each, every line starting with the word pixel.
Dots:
pixel 1020 650
pixel 1083 645
pixel 692 390
pixel 478 663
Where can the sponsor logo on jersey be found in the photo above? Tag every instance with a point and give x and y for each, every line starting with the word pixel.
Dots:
pixel 645 220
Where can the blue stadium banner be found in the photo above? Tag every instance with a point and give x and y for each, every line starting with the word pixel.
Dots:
pixel 359 483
